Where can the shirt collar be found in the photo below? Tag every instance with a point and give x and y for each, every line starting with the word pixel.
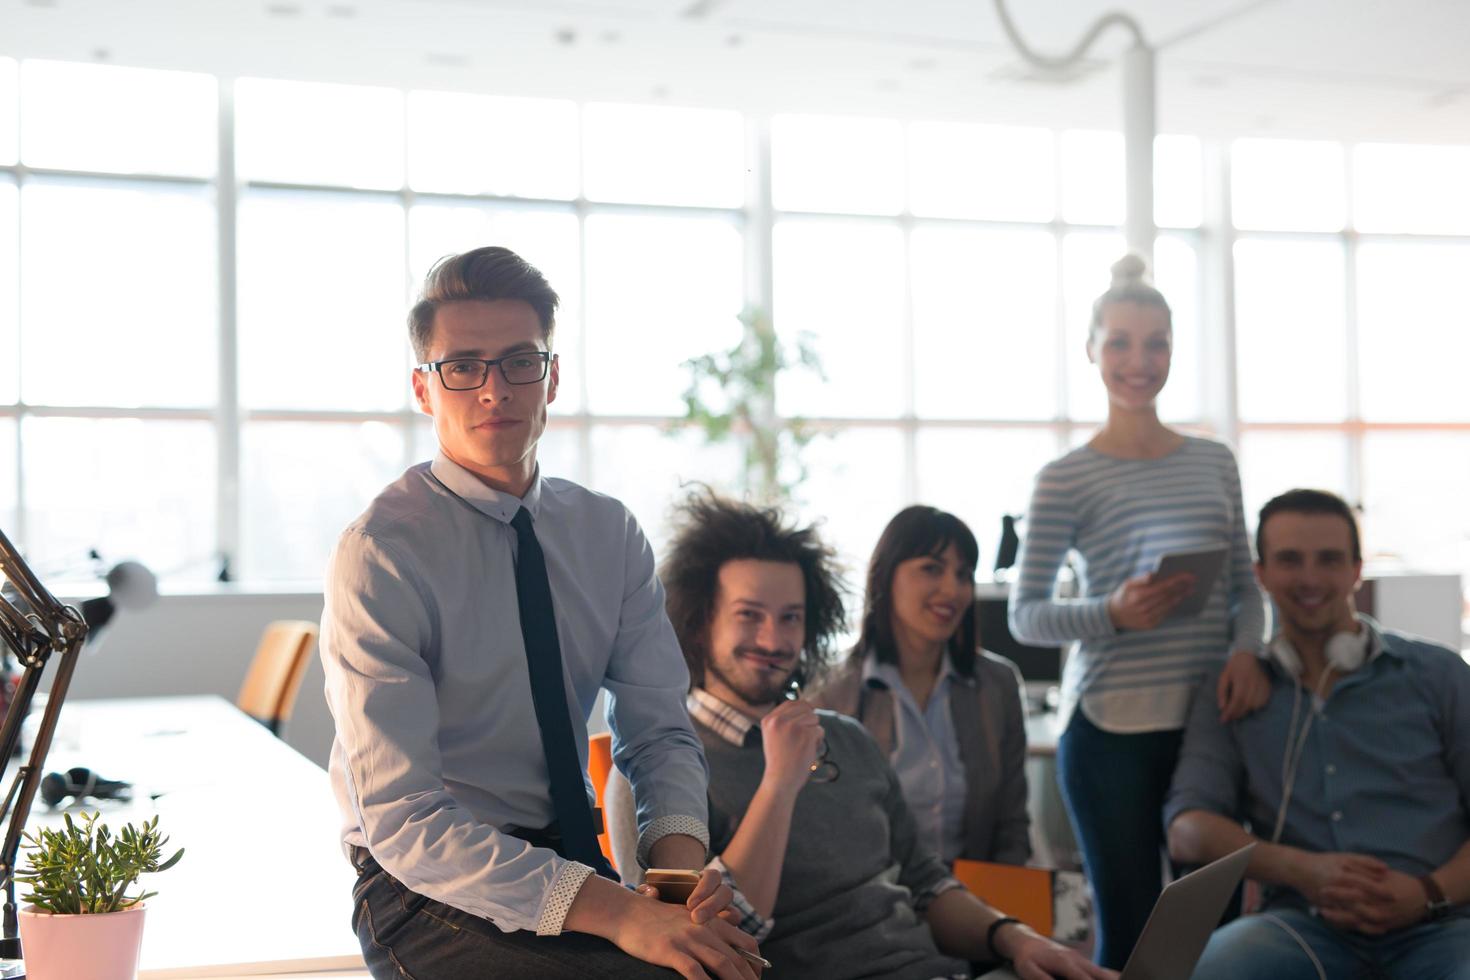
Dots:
pixel 726 721
pixel 1376 646
pixel 479 495
pixel 1377 649
pixel 878 674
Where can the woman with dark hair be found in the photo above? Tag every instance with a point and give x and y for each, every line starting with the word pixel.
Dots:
pixel 947 714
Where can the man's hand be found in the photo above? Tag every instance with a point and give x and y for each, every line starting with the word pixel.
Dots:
pixel 710 898
pixel 792 736
pixel 665 935
pixel 1034 957
pixel 1244 686
pixel 1142 602
pixel 1337 880
pixel 661 934
pixel 1391 902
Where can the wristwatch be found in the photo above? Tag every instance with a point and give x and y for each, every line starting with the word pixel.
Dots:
pixel 1437 906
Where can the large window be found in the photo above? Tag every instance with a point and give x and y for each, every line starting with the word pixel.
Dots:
pixel 118 299
pixel 1352 333
pixel 109 314
pixel 192 368
pixel 945 274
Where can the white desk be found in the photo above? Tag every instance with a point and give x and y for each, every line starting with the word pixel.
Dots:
pixel 263 888
pixel 1052 840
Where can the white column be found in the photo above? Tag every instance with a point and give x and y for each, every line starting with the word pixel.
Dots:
pixel 1139 127
pixel 227 414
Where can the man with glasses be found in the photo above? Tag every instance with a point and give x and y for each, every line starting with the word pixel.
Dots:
pixel 806 814
pixel 472 614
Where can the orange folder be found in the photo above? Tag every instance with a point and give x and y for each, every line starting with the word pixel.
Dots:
pixel 1025 893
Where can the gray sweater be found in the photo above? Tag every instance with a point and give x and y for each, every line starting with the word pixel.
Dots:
pixel 855 876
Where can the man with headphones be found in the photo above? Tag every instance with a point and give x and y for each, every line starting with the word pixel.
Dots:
pixel 1354 778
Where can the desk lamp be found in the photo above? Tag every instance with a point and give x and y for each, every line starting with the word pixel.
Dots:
pixel 33 626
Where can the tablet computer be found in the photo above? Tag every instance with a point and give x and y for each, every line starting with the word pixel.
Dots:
pixel 1205 564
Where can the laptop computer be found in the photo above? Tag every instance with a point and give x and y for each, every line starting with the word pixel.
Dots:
pixel 1181 922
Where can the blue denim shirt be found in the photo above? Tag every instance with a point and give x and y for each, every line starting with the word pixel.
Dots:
pixel 1385 769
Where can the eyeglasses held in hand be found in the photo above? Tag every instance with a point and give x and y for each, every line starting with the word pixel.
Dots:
pixel 468 373
pixel 823 769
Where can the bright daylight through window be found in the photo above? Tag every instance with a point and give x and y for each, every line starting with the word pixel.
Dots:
pixel 943 272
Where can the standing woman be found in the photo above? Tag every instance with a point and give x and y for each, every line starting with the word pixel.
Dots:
pixel 947 714
pixel 1136 491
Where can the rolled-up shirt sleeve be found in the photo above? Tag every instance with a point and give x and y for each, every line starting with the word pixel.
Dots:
pixel 750 920
pixel 654 744
pixel 378 618
pixel 1210 774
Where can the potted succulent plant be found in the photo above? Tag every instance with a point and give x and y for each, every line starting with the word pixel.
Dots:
pixel 80 920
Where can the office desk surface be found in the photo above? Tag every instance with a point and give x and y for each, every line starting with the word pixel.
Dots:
pixel 1043 728
pixel 263 888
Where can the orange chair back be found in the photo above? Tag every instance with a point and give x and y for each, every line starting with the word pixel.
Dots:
pixel 1025 893
pixel 599 764
pixel 271 685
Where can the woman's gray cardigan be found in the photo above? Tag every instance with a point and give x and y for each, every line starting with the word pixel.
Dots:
pixel 990 726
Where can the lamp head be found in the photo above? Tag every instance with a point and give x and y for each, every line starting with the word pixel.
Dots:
pixel 130 585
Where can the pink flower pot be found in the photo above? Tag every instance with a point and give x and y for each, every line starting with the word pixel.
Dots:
pixel 70 947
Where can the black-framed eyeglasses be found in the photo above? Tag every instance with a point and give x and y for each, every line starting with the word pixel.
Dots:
pixel 823 769
pixel 468 373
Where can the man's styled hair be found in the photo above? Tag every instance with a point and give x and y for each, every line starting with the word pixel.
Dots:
pixel 487 273
pixel 1308 502
pixel 713 531
pixel 915 532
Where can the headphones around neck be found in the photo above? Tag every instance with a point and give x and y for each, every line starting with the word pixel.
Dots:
pixel 1346 651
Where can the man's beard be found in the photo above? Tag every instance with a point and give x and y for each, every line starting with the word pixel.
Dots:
pixel 762 691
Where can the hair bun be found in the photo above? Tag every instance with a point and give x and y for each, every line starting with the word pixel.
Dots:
pixel 1130 268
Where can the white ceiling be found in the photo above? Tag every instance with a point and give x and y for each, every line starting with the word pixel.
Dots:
pixel 1355 69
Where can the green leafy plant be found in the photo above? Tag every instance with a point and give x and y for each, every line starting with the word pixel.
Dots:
pixel 83 869
pixel 733 392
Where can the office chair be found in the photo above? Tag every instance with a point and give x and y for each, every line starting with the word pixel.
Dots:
pixel 599 764
pixel 269 691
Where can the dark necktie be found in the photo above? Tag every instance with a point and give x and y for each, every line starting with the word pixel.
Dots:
pixel 549 696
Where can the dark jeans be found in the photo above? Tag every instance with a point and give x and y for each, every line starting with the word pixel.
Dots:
pixel 1269 946
pixel 1114 788
pixel 406 936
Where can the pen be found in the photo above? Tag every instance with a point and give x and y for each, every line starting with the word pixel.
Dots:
pixel 753 958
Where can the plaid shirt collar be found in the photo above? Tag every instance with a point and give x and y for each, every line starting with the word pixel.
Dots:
pixel 725 721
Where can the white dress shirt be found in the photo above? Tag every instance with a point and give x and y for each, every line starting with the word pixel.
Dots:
pixel 926 756
pixel 437 746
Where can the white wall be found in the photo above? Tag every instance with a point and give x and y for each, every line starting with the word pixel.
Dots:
pixel 202 644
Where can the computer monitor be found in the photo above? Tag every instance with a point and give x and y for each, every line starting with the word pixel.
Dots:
pixel 1039 665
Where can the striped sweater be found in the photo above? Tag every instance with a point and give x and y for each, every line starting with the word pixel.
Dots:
pixel 1118 516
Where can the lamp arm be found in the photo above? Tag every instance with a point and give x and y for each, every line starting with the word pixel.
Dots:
pixel 13 636
pixel 1051 63
pixel 49 627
